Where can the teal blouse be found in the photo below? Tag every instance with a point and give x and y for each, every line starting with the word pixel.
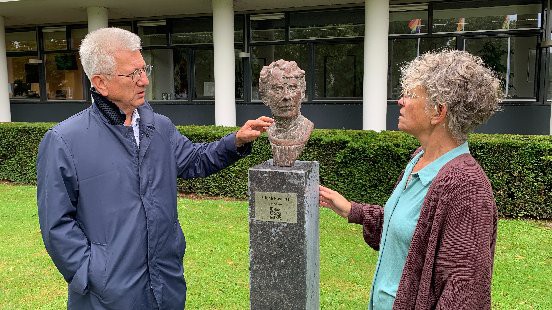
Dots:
pixel 401 214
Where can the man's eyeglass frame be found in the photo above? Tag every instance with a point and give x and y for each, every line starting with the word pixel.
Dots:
pixel 136 74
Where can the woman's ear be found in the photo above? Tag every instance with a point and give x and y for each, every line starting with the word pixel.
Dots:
pixel 440 114
pixel 100 84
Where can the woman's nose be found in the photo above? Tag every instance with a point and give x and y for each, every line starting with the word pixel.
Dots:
pixel 401 102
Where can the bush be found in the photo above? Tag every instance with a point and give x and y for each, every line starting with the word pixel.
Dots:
pixel 362 165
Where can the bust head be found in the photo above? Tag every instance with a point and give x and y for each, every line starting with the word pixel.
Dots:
pixel 282 88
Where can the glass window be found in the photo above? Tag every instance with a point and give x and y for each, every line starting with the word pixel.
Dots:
pixel 239 75
pixel 549 89
pixel 326 24
pixel 21 41
pixel 338 70
pixel 268 27
pixel 192 31
pixel 77 35
pixel 238 28
pixel 54 38
pixel 64 76
pixel 204 81
pixel 23 77
pixel 407 22
pixel 437 44
pixel 181 66
pixel 265 55
pixel 122 25
pixel 402 51
pixel 487 18
pixel 512 58
pixel 162 79
pixel 153 33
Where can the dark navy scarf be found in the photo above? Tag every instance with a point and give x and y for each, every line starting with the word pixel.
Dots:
pixel 108 108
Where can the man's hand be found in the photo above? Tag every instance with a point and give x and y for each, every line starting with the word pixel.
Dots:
pixel 333 200
pixel 252 129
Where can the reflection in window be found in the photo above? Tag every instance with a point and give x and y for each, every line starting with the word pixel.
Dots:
pixel 512 58
pixel 64 76
pixel 268 27
pixel 192 31
pixel 77 35
pixel 408 22
pixel 162 78
pixel 265 55
pixel 23 77
pixel 239 75
pixel 21 41
pixel 487 18
pixel 238 28
pixel 437 44
pixel 204 82
pixel 402 51
pixel 326 24
pixel 54 38
pixel 180 74
pixel 549 94
pixel 153 33
pixel 338 72
pixel 123 25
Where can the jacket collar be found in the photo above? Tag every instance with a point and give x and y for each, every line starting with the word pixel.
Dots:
pixel 113 114
pixel 109 109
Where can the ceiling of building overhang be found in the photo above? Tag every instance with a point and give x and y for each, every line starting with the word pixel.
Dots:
pixel 44 12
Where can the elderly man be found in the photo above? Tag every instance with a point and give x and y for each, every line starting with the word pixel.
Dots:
pixel 282 88
pixel 107 185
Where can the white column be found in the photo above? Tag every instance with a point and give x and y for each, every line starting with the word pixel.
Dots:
pixel 376 31
pixel 223 42
pixel 97 18
pixel 5 113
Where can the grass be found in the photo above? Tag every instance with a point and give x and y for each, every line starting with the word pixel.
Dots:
pixel 216 261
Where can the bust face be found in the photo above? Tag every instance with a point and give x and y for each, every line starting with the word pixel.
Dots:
pixel 284 96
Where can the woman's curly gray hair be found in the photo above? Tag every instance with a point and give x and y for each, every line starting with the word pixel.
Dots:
pixel 98 48
pixel 460 81
pixel 277 69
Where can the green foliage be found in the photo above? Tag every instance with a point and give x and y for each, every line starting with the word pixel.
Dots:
pixel 18 149
pixel 362 165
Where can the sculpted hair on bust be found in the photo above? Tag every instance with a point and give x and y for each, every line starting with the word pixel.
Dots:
pixel 459 80
pixel 277 69
pixel 98 48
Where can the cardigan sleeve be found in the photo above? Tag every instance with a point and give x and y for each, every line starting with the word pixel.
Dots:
pixel 464 259
pixel 371 219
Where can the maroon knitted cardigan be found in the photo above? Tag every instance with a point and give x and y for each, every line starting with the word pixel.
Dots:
pixel 450 261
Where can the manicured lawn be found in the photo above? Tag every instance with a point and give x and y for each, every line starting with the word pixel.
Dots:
pixel 217 259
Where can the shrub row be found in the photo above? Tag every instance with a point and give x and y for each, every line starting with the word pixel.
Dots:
pixel 362 165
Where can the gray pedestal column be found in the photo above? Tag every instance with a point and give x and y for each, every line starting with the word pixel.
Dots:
pixel 284 241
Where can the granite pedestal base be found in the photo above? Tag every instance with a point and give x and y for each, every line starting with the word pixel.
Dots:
pixel 284 241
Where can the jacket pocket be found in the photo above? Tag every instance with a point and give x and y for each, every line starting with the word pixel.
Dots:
pixel 97 268
pixel 180 242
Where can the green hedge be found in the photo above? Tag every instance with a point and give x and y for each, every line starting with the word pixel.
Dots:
pixel 363 165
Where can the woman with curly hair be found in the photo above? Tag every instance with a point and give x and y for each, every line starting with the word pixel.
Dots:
pixel 436 235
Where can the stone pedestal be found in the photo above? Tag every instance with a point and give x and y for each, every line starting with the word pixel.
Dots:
pixel 284 250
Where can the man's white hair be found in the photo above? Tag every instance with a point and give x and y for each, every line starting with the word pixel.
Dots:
pixel 97 51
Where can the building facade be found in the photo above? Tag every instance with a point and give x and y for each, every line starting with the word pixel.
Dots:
pixel 207 55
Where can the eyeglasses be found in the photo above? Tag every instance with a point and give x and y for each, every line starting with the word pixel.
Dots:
pixel 135 75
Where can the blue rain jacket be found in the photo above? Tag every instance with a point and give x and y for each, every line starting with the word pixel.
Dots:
pixel 107 208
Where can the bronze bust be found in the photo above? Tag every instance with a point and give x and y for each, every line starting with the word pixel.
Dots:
pixel 282 88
